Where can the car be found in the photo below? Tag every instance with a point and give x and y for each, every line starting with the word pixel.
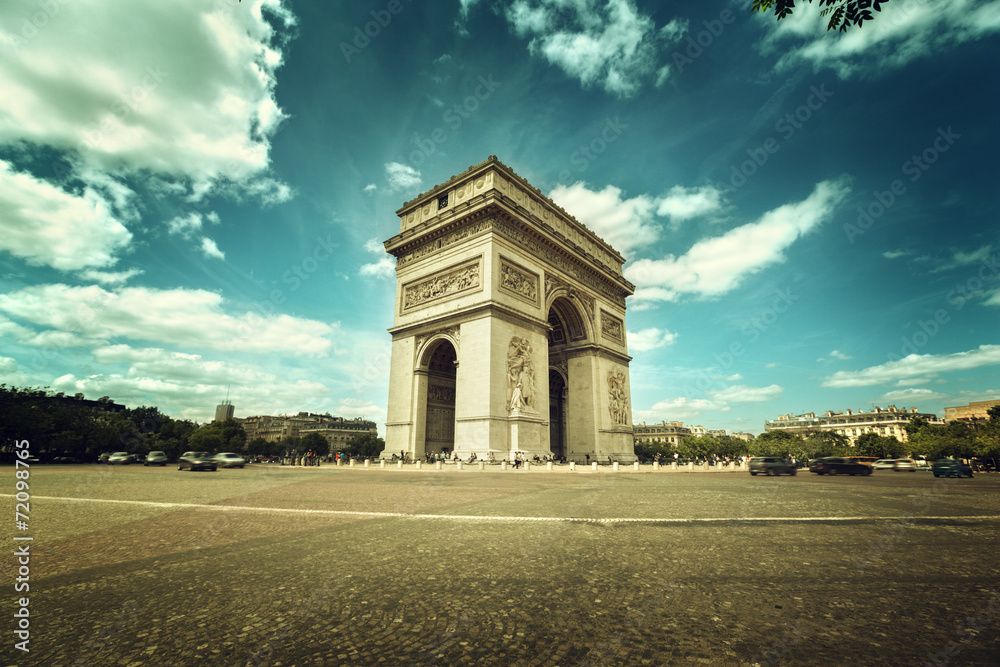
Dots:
pixel 884 464
pixel 833 465
pixel 65 459
pixel 923 465
pixel 121 458
pixel 864 460
pixel 951 468
pixel 905 464
pixel 156 458
pixel 197 461
pixel 771 465
pixel 230 460
pixel 103 458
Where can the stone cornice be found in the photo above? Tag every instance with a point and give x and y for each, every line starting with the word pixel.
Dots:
pixel 493 179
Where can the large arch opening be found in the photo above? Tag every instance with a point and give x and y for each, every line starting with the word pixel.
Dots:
pixel 439 432
pixel 557 414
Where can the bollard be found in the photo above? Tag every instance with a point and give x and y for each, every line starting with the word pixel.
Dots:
pixel 593 466
pixel 635 465
pixel 367 463
pixel 572 466
pixel 614 466
pixel 381 463
pixel 340 462
pixel 503 465
pixel 527 466
pixel 548 465
pixel 481 465
pixel 351 463
pixel 438 465
pixel 458 465
pixel 691 465
pixel 399 464
pixel 419 463
pixel 656 466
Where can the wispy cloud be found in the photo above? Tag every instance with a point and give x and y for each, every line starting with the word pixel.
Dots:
pixel 916 365
pixel 717 265
pixel 401 176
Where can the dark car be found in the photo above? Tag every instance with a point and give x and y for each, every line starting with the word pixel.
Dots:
pixel 103 458
pixel 951 468
pixel 65 459
pixel 771 465
pixel 197 461
pixel 156 459
pixel 837 466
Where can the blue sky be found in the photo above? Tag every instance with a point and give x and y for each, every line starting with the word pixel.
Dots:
pixel 193 194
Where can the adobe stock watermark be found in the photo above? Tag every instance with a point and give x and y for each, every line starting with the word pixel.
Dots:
pixel 36 21
pixel 696 45
pixel 456 114
pixel 929 328
pixel 786 126
pixel 915 167
pixel 752 329
pixel 363 35
pixel 587 153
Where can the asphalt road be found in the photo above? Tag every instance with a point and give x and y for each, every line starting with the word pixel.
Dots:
pixel 280 566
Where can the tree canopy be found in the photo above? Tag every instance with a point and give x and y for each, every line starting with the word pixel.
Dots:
pixel 844 14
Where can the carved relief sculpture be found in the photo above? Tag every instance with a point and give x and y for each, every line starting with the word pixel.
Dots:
pixel 618 398
pixel 521 283
pixel 612 327
pixel 520 374
pixel 442 285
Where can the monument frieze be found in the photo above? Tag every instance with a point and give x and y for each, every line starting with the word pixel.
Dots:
pixel 518 281
pixel 612 328
pixel 450 282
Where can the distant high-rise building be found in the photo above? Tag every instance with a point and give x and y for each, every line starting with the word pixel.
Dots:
pixel 224 411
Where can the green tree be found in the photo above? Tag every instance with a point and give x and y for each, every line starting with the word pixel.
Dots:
pixel 316 443
pixel 882 446
pixel 365 446
pixel 843 13
pixel 988 437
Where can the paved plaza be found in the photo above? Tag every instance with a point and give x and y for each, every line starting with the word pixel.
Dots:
pixel 290 566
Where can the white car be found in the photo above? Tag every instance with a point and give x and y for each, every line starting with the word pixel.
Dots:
pixel 884 464
pixel 905 464
pixel 121 458
pixel 230 460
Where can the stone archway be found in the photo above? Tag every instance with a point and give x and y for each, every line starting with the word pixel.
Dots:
pixel 439 429
pixel 557 414
pixel 492 272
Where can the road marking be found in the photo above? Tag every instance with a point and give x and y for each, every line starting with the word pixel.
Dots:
pixel 477 517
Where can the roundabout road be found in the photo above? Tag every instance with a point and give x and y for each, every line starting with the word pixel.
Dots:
pixel 271 565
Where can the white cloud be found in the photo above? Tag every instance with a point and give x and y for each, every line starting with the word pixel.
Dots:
pixel 186 92
pixel 371 187
pixel 624 223
pixel 190 319
pixel 401 176
pixel 47 226
pixel 650 339
pixel 994 298
pixel 109 277
pixel 383 268
pixel 210 249
pixel 717 265
pixel 836 354
pixel 605 43
pixel 682 203
pixel 909 396
pixel 903 31
pixel 744 394
pixel 677 408
pixel 960 259
pixel 894 254
pixel 916 365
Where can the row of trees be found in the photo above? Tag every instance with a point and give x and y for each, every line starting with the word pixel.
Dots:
pixel 63 427
pixel 930 441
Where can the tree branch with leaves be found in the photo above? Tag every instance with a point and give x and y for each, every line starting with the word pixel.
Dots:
pixel 844 14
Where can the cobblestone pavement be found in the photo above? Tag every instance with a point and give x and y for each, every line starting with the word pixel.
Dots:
pixel 357 567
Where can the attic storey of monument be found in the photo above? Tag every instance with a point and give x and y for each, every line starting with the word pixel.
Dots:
pixel 509 326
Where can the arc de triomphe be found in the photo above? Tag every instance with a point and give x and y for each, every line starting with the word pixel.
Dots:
pixel 509 327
